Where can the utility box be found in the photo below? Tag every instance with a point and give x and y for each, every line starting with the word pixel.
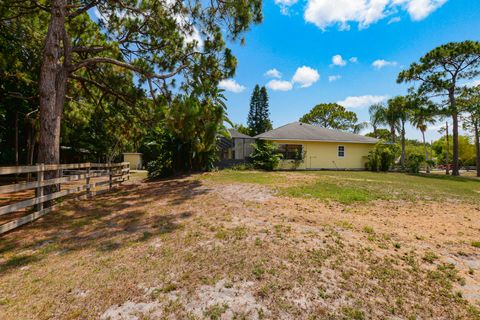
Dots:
pixel 135 160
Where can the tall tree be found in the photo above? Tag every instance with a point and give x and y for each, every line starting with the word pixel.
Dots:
pixel 380 133
pixel 398 107
pixel 386 115
pixel 264 121
pixel 333 116
pixel 469 102
pixel 252 120
pixel 375 121
pixel 421 116
pixel 160 40
pixel 439 72
pixel 20 54
pixel 259 115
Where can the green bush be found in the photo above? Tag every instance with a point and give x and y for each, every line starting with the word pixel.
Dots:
pixel 382 157
pixel 414 161
pixel 265 156
pixel 162 167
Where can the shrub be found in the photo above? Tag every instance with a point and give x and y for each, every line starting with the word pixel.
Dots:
pixel 414 161
pixel 265 156
pixel 382 157
pixel 162 167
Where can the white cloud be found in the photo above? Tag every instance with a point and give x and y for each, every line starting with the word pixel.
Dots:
pixel 420 9
pixel 305 76
pixel 280 85
pixel 379 64
pixel 436 127
pixel 326 13
pixel 334 78
pixel 285 5
pixel 353 60
pixel 394 20
pixel 273 73
pixel 231 85
pixel 361 101
pixel 337 60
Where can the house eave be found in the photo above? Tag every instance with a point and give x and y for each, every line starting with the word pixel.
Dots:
pixel 316 140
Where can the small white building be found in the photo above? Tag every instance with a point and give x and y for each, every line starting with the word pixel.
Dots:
pixel 135 159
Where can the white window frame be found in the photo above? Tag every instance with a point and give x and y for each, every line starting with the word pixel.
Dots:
pixel 338 151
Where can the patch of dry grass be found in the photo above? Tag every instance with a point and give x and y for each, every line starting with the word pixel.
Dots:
pixel 202 249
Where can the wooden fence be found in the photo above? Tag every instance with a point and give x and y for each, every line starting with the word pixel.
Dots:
pixel 27 198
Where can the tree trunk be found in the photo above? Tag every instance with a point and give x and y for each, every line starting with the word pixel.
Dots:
pixel 477 143
pixel 392 133
pixel 447 170
pixel 453 108
pixel 456 163
pixel 426 152
pixel 52 88
pixel 402 159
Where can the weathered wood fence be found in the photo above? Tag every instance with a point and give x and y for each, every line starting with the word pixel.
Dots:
pixel 81 179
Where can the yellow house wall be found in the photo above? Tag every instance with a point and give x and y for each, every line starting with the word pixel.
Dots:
pixel 324 155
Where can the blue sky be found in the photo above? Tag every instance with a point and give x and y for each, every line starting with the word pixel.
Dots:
pixel 300 38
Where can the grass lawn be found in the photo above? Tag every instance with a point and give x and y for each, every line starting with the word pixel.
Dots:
pixel 348 187
pixel 253 245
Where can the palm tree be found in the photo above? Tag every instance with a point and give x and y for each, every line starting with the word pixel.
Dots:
pixel 375 116
pixel 394 115
pixel 359 127
pixel 399 108
pixel 385 115
pixel 420 118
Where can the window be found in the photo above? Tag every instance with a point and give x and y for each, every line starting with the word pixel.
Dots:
pixel 341 151
pixel 291 151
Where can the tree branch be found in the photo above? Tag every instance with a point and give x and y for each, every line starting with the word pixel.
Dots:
pixel 92 49
pixel 125 65
pixel 102 87
pixel 83 9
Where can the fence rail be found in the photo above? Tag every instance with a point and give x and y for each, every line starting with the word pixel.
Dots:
pixel 74 178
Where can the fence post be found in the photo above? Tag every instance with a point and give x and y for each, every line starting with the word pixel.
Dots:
pixel 39 189
pixel 109 176
pixel 87 181
pixel 128 171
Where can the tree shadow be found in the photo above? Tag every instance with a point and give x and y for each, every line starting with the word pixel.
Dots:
pixel 445 177
pixel 105 223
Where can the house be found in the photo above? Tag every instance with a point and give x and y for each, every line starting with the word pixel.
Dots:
pixel 306 146
pixel 238 147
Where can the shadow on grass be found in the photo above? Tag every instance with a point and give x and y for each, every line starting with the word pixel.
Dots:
pixel 445 177
pixel 17 262
pixel 105 223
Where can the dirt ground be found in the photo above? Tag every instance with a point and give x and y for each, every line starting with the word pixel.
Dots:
pixel 196 248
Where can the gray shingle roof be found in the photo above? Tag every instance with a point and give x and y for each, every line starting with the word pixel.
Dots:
pixel 235 134
pixel 305 132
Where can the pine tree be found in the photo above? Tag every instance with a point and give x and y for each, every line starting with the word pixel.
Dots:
pixel 259 116
pixel 252 120
pixel 264 123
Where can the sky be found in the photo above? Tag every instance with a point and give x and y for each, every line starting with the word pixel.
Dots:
pixel 308 52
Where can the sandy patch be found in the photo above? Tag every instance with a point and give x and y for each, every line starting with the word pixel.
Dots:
pixel 225 300
pixel 244 192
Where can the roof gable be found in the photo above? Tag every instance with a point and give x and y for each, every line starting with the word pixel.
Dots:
pixel 235 134
pixel 306 132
